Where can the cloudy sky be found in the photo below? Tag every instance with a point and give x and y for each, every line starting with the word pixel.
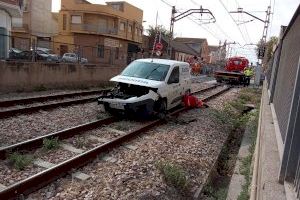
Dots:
pixel 230 27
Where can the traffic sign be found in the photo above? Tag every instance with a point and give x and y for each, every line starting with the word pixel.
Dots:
pixel 159 46
pixel 158 53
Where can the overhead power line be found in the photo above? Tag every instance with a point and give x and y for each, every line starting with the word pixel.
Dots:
pixel 205 28
pixel 216 23
pixel 166 3
pixel 233 20
pixel 247 33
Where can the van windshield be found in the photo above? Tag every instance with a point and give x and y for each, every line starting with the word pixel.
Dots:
pixel 146 70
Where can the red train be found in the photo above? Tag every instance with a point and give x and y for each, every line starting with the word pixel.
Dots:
pixel 234 70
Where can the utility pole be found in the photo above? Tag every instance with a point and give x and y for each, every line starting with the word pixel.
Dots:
pixel 265 30
pixel 262 48
pixel 171 31
pixel 229 48
pixel 184 14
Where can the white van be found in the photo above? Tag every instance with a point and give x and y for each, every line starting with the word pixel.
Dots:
pixel 148 86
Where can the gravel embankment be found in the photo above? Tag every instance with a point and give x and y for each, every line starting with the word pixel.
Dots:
pixel 200 86
pixel 219 102
pixel 23 127
pixel 210 92
pixel 9 175
pixel 59 154
pixel 191 141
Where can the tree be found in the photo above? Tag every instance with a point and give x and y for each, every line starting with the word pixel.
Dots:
pixel 268 51
pixel 151 31
pixel 270 45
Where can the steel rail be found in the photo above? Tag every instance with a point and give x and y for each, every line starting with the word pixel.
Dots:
pixel 31 109
pixel 45 177
pixel 206 89
pixel 212 96
pixel 16 111
pixel 23 101
pixel 63 134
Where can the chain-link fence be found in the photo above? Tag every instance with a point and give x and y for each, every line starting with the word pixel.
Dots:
pixel 283 80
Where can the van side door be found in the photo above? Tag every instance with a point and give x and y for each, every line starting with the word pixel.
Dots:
pixel 173 88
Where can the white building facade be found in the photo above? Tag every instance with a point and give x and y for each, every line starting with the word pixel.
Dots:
pixel 8 10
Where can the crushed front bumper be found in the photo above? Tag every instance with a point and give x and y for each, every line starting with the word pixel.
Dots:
pixel 143 103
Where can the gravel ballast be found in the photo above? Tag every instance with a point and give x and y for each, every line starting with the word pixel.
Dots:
pixel 191 141
pixel 24 127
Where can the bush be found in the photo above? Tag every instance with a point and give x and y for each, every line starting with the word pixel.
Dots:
pixel 228 117
pixel 173 175
pixel 20 161
pixel 80 142
pixel 49 144
pixel 211 193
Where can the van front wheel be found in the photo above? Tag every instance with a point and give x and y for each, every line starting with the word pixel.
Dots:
pixel 161 108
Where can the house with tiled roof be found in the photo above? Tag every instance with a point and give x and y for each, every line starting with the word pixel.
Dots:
pixel 199 46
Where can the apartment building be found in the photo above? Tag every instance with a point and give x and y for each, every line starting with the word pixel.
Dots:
pixel 108 33
pixel 37 26
pixel 8 9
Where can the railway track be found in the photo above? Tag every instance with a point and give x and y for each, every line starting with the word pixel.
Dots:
pixel 9 106
pixel 45 177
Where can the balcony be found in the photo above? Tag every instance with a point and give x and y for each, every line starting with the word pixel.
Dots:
pixel 13 7
pixel 91 28
pixel 23 28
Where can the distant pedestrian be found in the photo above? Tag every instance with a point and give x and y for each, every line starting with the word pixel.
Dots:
pixel 248 74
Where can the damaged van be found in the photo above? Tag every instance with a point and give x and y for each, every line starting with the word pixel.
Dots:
pixel 148 86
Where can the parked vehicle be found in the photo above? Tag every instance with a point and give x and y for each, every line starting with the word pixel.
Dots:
pixel 40 55
pixel 73 58
pixel 51 56
pixel 14 53
pixel 148 86
pixel 18 54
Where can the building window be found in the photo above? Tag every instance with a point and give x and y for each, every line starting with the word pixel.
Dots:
pixel 116 7
pixel 64 21
pixel 129 28
pixel 117 53
pixel 136 31
pixel 76 19
pixel 141 32
pixel 122 26
pixel 25 7
pixel 100 51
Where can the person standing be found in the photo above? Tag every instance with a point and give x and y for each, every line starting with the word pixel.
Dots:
pixel 248 74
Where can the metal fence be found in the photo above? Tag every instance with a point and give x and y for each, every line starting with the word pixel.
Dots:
pixel 283 77
pixel 36 49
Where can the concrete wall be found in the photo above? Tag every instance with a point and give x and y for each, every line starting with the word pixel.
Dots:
pixel 27 76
